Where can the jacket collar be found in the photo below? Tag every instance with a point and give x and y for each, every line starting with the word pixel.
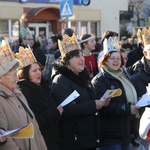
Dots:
pixel 5 92
pixel 82 79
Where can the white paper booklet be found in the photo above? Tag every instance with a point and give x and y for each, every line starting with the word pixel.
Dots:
pixel 144 101
pixel 70 98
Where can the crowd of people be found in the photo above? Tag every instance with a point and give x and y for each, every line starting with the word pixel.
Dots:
pixel 33 86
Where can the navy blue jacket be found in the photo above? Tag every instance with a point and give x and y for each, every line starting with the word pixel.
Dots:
pixel 116 117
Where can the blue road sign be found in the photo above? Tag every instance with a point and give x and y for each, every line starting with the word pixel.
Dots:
pixel 66 8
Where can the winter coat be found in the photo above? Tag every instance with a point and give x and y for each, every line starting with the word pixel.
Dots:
pixel 78 127
pixel 141 76
pixel 13 116
pixel 134 56
pixel 116 117
pixel 45 111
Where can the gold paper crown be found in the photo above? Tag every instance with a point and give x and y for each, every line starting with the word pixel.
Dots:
pixel 144 36
pixel 111 44
pixel 68 44
pixel 6 55
pixel 25 57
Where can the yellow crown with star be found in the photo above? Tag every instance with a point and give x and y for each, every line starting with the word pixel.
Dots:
pixel 25 57
pixel 144 36
pixel 111 44
pixel 68 44
pixel 6 54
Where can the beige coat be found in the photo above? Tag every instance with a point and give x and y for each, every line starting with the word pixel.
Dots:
pixel 12 116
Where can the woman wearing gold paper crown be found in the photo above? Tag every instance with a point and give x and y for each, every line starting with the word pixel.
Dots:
pixel 141 69
pixel 79 123
pixel 115 118
pixel 14 110
pixel 38 98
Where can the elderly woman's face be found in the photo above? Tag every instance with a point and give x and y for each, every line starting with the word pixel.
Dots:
pixel 114 61
pixel 10 79
pixel 76 64
pixel 35 73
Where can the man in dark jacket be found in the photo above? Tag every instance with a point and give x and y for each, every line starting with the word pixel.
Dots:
pixel 28 39
pixel 141 70
pixel 135 55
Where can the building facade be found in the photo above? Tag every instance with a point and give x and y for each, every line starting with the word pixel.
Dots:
pixel 43 17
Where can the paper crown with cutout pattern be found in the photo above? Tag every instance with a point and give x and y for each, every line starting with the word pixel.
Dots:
pixel 111 44
pixel 144 36
pixel 25 57
pixel 7 59
pixel 24 32
pixel 68 44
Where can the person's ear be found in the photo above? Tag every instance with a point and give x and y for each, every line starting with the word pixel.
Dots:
pixel 84 44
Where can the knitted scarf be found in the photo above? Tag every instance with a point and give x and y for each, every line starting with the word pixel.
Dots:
pixel 128 87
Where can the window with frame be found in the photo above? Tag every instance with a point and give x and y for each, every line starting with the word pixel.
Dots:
pixel 4 28
pixel 83 28
pixel 94 28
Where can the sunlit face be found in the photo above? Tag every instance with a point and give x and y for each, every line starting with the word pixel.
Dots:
pixel 76 64
pixel 28 40
pixel 146 52
pixel 114 61
pixel 10 79
pixel 90 44
pixel 124 55
pixel 52 44
pixel 35 73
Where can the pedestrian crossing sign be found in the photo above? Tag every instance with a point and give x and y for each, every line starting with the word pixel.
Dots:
pixel 66 8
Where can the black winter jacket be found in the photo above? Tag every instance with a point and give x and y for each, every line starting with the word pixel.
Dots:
pixel 45 111
pixel 141 76
pixel 115 118
pixel 78 127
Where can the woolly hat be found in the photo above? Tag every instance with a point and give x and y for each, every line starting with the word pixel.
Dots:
pixel 4 68
pixel 7 61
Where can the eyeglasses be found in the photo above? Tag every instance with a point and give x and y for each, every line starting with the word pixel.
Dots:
pixel 114 59
pixel 30 39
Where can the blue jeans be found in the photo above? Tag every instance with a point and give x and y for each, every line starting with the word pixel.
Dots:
pixel 117 147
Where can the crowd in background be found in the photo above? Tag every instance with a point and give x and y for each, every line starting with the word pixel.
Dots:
pixel 90 65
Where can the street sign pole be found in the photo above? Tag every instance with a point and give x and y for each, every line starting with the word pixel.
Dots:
pixel 66 10
pixel 67 22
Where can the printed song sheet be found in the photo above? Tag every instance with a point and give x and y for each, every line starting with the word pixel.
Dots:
pixel 24 132
pixel 111 94
pixel 70 98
